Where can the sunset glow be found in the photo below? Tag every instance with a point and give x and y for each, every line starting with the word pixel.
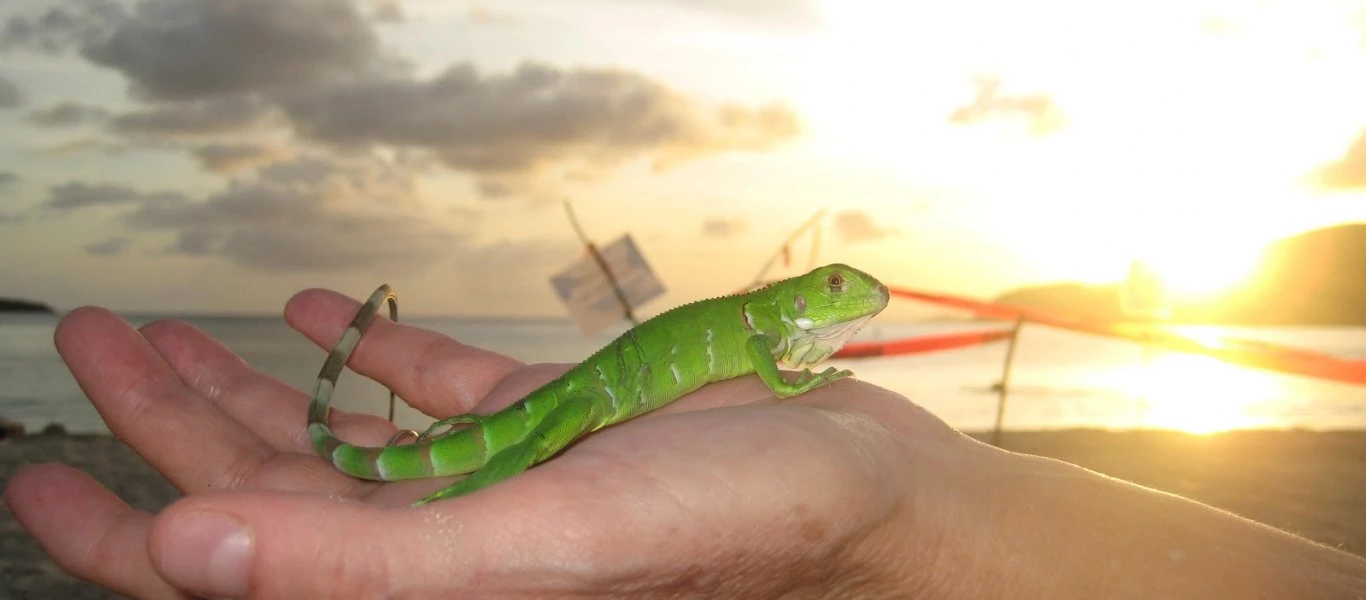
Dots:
pixel 970 147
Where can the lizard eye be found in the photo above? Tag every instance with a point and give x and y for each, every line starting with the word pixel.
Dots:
pixel 836 282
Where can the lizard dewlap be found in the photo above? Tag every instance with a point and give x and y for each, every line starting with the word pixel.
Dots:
pixel 795 322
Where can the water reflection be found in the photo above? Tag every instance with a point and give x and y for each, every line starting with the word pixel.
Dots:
pixel 1196 393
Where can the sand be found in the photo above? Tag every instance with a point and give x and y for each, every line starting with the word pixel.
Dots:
pixel 1310 483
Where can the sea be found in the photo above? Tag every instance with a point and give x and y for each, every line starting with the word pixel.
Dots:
pixel 1058 379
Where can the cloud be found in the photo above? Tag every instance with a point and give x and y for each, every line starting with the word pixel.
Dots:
pixel 1039 110
pixel 483 15
pixel 8 181
pixel 253 65
pixel 310 213
pixel 230 114
pixel 340 242
pixel 1348 172
pixel 61 28
pixel 723 228
pixel 1221 26
pixel 857 226
pixel 229 158
pixel 533 118
pixel 386 11
pixel 87 144
pixel 10 94
pixel 785 14
pixel 109 247
pixel 78 195
pixel 194 49
pixel 67 114
pixel 187 49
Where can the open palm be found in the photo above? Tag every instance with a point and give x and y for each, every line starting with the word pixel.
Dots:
pixel 723 488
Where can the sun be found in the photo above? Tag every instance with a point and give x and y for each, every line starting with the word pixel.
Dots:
pixel 1205 255
pixel 1203 271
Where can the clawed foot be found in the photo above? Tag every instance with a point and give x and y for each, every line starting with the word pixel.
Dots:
pixel 806 379
pixel 441 428
pixel 402 434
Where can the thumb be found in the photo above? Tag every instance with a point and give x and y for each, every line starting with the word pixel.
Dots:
pixel 294 545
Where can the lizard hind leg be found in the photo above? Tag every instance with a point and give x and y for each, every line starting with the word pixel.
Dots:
pixel 401 435
pixel 431 432
pixel 434 430
pixel 573 418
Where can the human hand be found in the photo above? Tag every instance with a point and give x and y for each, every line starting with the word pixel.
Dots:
pixel 725 492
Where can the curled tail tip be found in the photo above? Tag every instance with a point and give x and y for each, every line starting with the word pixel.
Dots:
pixel 318 407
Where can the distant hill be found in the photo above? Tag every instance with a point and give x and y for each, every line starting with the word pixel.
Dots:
pixel 13 305
pixel 1099 302
pixel 1314 278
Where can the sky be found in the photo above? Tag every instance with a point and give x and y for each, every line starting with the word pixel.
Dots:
pixel 220 155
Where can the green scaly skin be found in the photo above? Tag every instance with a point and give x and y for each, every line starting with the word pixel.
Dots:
pixel 796 322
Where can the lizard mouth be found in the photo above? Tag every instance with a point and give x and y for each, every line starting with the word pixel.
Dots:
pixel 815 344
pixel 867 307
pixel 839 333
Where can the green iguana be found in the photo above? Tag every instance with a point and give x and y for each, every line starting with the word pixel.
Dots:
pixel 797 322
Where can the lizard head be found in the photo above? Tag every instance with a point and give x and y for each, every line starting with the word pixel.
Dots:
pixel 824 308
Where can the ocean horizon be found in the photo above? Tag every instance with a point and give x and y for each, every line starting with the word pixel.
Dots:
pixel 1060 379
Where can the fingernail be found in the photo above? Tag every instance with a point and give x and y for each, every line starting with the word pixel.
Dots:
pixel 208 553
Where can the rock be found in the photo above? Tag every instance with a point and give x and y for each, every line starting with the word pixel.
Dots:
pixel 10 429
pixel 17 305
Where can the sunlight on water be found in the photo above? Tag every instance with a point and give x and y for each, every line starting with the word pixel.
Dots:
pixel 1197 394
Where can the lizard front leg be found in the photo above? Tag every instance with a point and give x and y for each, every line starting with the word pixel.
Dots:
pixel 766 366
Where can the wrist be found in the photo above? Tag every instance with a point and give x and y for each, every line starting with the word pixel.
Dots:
pixel 970 529
pixel 942 537
pixel 981 522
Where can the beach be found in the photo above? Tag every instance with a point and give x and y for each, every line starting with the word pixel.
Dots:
pixel 1309 483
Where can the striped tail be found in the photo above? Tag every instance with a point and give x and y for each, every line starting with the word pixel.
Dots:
pixel 318 410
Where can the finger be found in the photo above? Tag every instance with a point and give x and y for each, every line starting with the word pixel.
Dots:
pixel 539 534
pixel 433 372
pixel 179 432
pixel 87 530
pixel 278 545
pixel 276 412
pixel 512 540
